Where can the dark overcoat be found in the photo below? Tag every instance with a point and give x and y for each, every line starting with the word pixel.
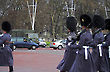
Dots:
pixel 81 64
pixel 98 39
pixel 106 65
pixel 69 55
pixel 6 57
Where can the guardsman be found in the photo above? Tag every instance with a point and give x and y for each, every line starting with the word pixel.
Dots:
pixel 83 61
pixel 98 24
pixel 6 57
pixel 106 46
pixel 70 52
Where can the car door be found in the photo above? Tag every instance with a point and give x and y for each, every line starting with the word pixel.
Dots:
pixel 28 44
pixel 20 43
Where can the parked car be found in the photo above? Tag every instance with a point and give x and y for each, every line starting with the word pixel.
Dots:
pixel 21 42
pixel 42 43
pixel 58 44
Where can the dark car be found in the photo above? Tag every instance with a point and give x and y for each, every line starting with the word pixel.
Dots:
pixel 21 42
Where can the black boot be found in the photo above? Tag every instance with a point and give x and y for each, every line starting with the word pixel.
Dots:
pixel 62 71
pixel 10 68
pixel 101 71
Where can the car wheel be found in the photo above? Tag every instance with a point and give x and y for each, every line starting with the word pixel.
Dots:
pixel 44 45
pixel 60 47
pixel 33 47
pixel 29 48
pixel 14 47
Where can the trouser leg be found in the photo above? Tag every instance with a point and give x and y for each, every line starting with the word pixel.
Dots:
pixel 10 68
pixel 62 71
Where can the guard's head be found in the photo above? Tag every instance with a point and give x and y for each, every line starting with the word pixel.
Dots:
pixel 6 26
pixel 98 21
pixel 71 24
pixel 85 20
pixel 107 22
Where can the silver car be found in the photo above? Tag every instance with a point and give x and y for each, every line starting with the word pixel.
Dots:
pixel 59 44
pixel 42 43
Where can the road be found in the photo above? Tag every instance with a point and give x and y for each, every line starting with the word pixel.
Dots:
pixel 40 60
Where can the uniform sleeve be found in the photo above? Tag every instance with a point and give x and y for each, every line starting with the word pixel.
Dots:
pixel 100 39
pixel 67 41
pixel 73 46
pixel 107 42
pixel 81 43
pixel 2 39
pixel 82 40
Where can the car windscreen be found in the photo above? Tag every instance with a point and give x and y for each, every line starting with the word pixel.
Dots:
pixel 13 39
pixel 40 40
pixel 28 40
pixel 64 41
pixel 17 39
pixel 20 39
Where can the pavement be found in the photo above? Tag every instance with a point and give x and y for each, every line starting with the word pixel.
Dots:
pixel 39 60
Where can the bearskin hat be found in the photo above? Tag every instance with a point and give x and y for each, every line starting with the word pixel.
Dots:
pixel 107 23
pixel 71 23
pixel 6 26
pixel 85 20
pixel 98 21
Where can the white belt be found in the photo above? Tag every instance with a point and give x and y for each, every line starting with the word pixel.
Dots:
pixel 3 45
pixel 100 49
pixel 86 54
pixel 109 51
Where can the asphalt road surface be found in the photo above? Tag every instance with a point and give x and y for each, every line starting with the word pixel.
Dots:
pixel 40 60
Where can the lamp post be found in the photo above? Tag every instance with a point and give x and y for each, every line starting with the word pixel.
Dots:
pixel 67 9
pixel 32 13
pixel 105 3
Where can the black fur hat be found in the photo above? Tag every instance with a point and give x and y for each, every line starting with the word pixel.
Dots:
pixel 71 23
pixel 98 21
pixel 85 20
pixel 6 26
pixel 107 22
